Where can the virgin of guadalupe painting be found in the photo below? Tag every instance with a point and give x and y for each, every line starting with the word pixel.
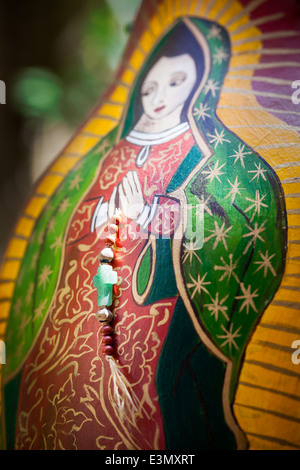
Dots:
pixel 202 256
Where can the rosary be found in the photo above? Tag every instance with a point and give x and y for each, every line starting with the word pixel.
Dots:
pixel 104 280
pixel 125 401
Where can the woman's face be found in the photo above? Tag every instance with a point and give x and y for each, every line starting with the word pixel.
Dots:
pixel 168 85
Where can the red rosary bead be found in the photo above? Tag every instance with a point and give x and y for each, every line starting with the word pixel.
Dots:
pixel 106 330
pixel 108 350
pixel 113 229
pixel 110 240
pixel 108 340
pixel 116 219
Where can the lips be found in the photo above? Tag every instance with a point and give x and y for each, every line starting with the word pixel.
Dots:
pixel 159 108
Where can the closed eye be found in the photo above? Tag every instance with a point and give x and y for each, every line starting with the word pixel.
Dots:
pixel 147 89
pixel 177 79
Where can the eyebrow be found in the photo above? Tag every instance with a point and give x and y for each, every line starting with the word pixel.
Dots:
pixel 150 82
pixel 146 85
pixel 179 72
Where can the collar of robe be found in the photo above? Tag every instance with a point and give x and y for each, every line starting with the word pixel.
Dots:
pixel 146 140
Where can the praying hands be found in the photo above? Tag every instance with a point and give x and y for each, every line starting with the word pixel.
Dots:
pixel 130 196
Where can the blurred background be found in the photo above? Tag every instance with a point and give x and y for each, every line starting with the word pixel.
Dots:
pixel 56 59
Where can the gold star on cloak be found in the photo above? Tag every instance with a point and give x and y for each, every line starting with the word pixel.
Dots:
pixel 189 252
pixel 57 244
pixel 104 146
pixel 18 306
pixel 265 263
pixel 248 297
pixel 255 234
pixel 38 312
pixel 29 293
pixel 75 182
pixel 234 190
pixel 33 261
pixel 44 276
pixel 64 206
pixel 51 225
pixel 198 284
pixel 257 204
pixel 230 337
pixel 217 306
pixel 220 233
pixel 227 268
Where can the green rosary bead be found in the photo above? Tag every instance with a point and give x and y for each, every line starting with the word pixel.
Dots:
pixel 104 280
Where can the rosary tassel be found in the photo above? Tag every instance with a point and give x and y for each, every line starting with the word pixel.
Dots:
pixel 126 403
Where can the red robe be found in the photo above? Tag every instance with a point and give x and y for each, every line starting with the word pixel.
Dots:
pixel 67 392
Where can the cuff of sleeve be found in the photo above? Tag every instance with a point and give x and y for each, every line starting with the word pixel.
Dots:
pixel 143 217
pixel 147 213
pixel 100 214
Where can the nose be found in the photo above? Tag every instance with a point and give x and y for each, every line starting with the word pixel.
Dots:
pixel 159 95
